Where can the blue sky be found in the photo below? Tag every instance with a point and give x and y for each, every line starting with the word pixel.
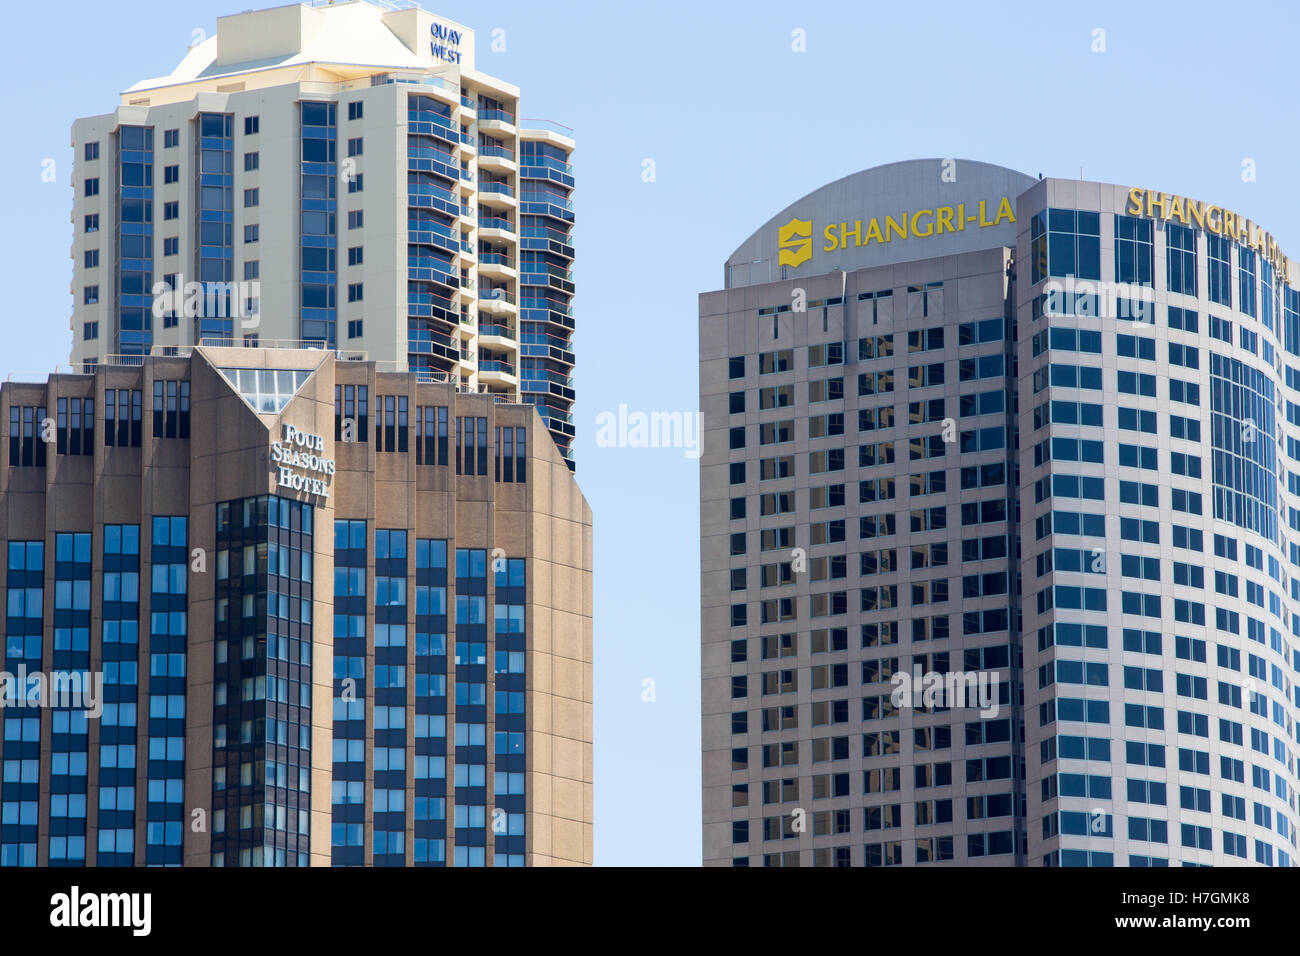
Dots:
pixel 738 125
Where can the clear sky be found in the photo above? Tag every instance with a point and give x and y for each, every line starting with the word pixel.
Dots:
pixel 738 125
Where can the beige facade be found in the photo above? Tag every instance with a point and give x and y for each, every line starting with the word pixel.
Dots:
pixel 1073 485
pixel 450 228
pixel 805 759
pixel 543 520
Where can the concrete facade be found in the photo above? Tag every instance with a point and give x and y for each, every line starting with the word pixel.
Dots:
pixel 492 516
pixel 448 246
pixel 1089 534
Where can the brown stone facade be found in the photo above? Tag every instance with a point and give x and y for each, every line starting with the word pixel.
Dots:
pixel 543 519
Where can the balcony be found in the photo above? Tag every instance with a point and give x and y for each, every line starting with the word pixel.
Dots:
pixel 533 161
pixel 431 198
pixel 497 203
pixel 553 241
pixel 552 383
pixel 430 373
pixel 434 281
pixel 496 222
pixel 546 131
pixel 559 280
pixel 546 198
pixel 440 272
pixel 430 160
pixel 546 204
pixel 434 189
pixel 492 265
pixel 547 347
pixel 498 302
pixel 424 300
pixel 551 306
pixel 546 169
pixel 432 344
pixel 426 123
pixel 498 374
pixel 550 270
pixel 384 79
pixel 549 341
pixel 550 235
pixel 496 158
pixel 486 115
pixel 431 152
pixel 499 196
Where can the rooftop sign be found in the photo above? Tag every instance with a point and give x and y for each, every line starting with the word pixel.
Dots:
pixel 445 44
pixel 1213 219
pixel 917 209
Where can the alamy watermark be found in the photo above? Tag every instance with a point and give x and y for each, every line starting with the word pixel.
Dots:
pixel 657 429
pixel 1087 298
pixel 76 690
pixel 951 689
pixel 209 300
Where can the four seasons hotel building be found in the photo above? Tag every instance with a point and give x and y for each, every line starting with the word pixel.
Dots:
pixel 341 615
pixel 1038 438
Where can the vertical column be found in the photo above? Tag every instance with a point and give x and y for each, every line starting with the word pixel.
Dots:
pixel 349 783
pixel 115 804
pixel 430 770
pixel 20 782
pixel 69 742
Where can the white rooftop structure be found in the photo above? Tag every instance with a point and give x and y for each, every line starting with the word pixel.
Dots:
pixel 328 42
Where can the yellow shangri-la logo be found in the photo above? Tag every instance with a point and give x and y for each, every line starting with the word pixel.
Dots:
pixel 795 239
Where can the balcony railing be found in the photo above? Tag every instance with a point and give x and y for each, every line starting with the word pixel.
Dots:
pixel 224 342
pixel 495 365
pixel 428 152
pixel 501 152
pixel 441 131
pixel 428 262
pixel 551 341
pixel 554 235
pixel 503 189
pixel 533 161
pixel 539 268
pixel 549 198
pixel 551 414
pixel 497 295
pixel 415 79
pixel 428 298
pixel 501 331
pixel 495 259
pixel 495 222
pixel 501 116
pixel 433 226
pixel 431 189
pixel 547 126
pixel 551 378
pixel 550 305
pixel 428 344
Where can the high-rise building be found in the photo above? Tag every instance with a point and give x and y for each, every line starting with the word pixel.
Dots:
pixel 337 174
pixel 1000 529
pixel 267 607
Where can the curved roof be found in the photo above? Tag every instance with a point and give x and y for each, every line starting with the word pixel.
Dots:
pixel 912 192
